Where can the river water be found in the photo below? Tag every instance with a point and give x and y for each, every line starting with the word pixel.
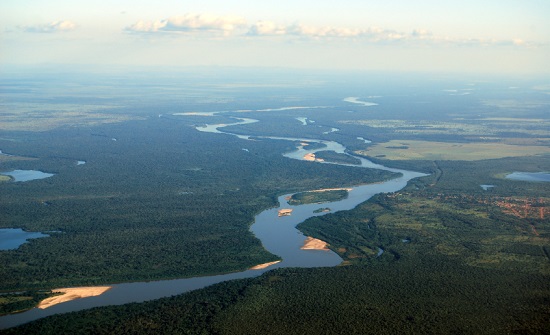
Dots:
pixel 277 234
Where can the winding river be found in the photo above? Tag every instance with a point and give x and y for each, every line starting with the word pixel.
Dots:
pixel 277 234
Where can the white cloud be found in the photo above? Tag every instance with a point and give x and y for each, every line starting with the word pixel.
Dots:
pixel 53 27
pixel 372 34
pixel 262 28
pixel 236 26
pixel 266 28
pixel 190 23
pixel 319 32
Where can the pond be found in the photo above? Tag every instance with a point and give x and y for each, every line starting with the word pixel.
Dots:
pixel 27 175
pixel 530 176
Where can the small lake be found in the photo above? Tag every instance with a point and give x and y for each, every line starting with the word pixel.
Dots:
pixel 12 238
pixel 530 176
pixel 27 175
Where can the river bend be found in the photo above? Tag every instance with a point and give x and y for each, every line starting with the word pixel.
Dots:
pixel 277 234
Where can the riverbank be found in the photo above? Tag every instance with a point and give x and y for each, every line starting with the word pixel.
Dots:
pixel 312 243
pixel 73 293
pixel 264 265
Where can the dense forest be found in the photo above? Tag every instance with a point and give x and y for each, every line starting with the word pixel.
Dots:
pixel 427 294
pixel 317 197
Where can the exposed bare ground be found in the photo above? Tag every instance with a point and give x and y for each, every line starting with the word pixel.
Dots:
pixel 314 244
pixel 72 294
pixel 264 265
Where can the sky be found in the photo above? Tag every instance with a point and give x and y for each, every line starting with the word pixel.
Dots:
pixel 482 36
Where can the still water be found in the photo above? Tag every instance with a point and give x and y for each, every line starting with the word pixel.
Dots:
pixel 27 175
pixel 12 238
pixel 530 176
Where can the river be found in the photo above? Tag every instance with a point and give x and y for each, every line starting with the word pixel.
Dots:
pixel 277 234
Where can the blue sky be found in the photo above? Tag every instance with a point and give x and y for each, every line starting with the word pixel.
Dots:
pixel 507 36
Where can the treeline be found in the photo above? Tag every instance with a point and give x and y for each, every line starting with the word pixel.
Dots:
pixel 21 301
pixel 317 197
pixel 427 294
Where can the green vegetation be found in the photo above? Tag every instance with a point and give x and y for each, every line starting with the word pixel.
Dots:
pixel 420 295
pixel 46 116
pixel 19 302
pixel 318 197
pixel 489 128
pixel 429 150
pixel 450 214
pixel 334 157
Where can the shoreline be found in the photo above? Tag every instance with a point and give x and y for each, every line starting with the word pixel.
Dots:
pixel 264 265
pixel 72 293
pixel 349 189
pixel 312 243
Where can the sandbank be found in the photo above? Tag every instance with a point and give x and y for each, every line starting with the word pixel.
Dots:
pixel 311 157
pixel 72 294
pixel 264 265
pixel 333 189
pixel 314 244
pixel 285 212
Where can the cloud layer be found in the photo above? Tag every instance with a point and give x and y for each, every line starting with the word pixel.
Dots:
pixel 371 35
pixel 52 27
pixel 190 23
pixel 267 28
pixel 234 25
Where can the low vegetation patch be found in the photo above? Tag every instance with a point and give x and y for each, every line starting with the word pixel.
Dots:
pixel 317 197
pixel 428 150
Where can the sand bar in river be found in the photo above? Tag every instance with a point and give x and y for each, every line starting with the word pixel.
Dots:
pixel 72 294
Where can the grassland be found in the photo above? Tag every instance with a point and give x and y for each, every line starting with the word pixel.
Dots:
pixel 46 116
pixel 429 150
pixel 463 126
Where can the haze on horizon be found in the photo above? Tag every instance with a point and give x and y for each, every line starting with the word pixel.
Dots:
pixel 506 36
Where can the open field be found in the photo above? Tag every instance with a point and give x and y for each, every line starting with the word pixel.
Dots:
pixel 461 126
pixel 427 150
pixel 42 117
